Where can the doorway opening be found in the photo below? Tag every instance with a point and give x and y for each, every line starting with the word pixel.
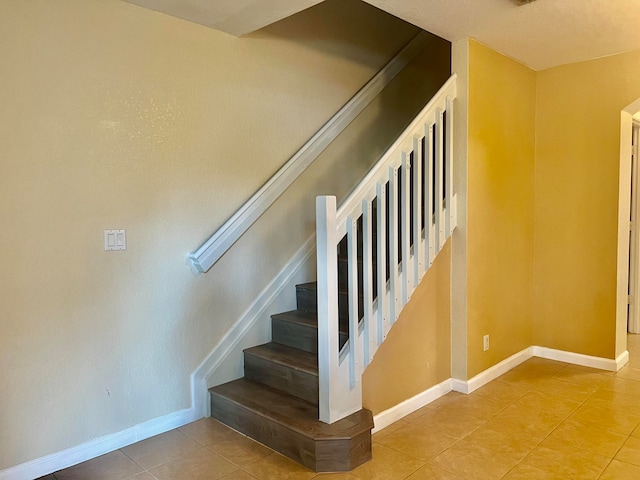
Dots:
pixel 627 268
pixel 633 309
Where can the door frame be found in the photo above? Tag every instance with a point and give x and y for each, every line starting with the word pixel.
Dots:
pixel 624 215
pixel 633 322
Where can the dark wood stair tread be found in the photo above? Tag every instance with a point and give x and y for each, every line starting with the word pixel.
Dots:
pixel 290 412
pixel 287 356
pixel 313 286
pixel 301 317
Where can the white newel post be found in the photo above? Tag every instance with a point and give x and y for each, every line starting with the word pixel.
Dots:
pixel 328 331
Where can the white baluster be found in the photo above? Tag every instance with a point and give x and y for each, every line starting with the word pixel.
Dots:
pixel 430 241
pixel 418 251
pixel 352 252
pixel 367 287
pixel 449 161
pixel 393 245
pixel 439 230
pixel 405 226
pixel 381 235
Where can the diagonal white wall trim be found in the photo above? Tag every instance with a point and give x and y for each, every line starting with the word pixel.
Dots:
pixel 259 309
pixel 209 253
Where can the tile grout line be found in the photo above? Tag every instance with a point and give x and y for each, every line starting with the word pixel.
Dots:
pixel 554 429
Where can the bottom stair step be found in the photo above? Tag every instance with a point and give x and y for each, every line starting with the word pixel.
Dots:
pixel 291 426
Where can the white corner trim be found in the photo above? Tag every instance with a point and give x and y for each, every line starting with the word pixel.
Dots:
pixel 94 448
pixel 622 360
pixel 480 380
pixel 209 253
pixel 393 414
pixel 258 309
pixel 583 360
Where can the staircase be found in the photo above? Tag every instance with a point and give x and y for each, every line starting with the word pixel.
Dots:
pixel 276 403
pixel 372 253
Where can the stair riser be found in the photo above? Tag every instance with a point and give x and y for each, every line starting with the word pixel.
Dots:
pixel 297 383
pixel 307 299
pixel 298 336
pixel 294 335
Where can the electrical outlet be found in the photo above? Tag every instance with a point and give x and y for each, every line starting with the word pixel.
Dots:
pixel 485 340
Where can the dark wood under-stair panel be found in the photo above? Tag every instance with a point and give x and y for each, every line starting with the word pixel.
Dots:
pixel 291 426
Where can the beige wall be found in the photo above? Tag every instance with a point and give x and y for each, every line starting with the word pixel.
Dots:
pixel 500 207
pixel 576 181
pixel 416 355
pixel 118 117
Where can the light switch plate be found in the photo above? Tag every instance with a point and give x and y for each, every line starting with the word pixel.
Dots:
pixel 115 240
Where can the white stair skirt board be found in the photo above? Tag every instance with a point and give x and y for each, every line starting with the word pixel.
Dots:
pixel 393 414
pixel 86 451
pixel 260 309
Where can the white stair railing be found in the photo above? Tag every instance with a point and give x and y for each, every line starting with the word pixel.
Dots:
pixel 398 217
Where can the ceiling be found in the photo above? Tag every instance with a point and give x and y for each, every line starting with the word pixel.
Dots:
pixel 237 17
pixel 541 34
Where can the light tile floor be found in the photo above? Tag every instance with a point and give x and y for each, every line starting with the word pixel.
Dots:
pixel 542 420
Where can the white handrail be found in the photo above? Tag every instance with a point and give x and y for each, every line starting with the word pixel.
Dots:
pixel 224 238
pixel 416 172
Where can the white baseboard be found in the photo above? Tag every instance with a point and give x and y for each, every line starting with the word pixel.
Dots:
pixel 622 360
pixel 88 450
pixel 468 386
pixel 583 360
pixel 259 309
pixel 108 443
pixel 386 418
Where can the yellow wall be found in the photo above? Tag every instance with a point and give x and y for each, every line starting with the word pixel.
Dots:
pixel 114 116
pixel 416 355
pixel 576 182
pixel 500 207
